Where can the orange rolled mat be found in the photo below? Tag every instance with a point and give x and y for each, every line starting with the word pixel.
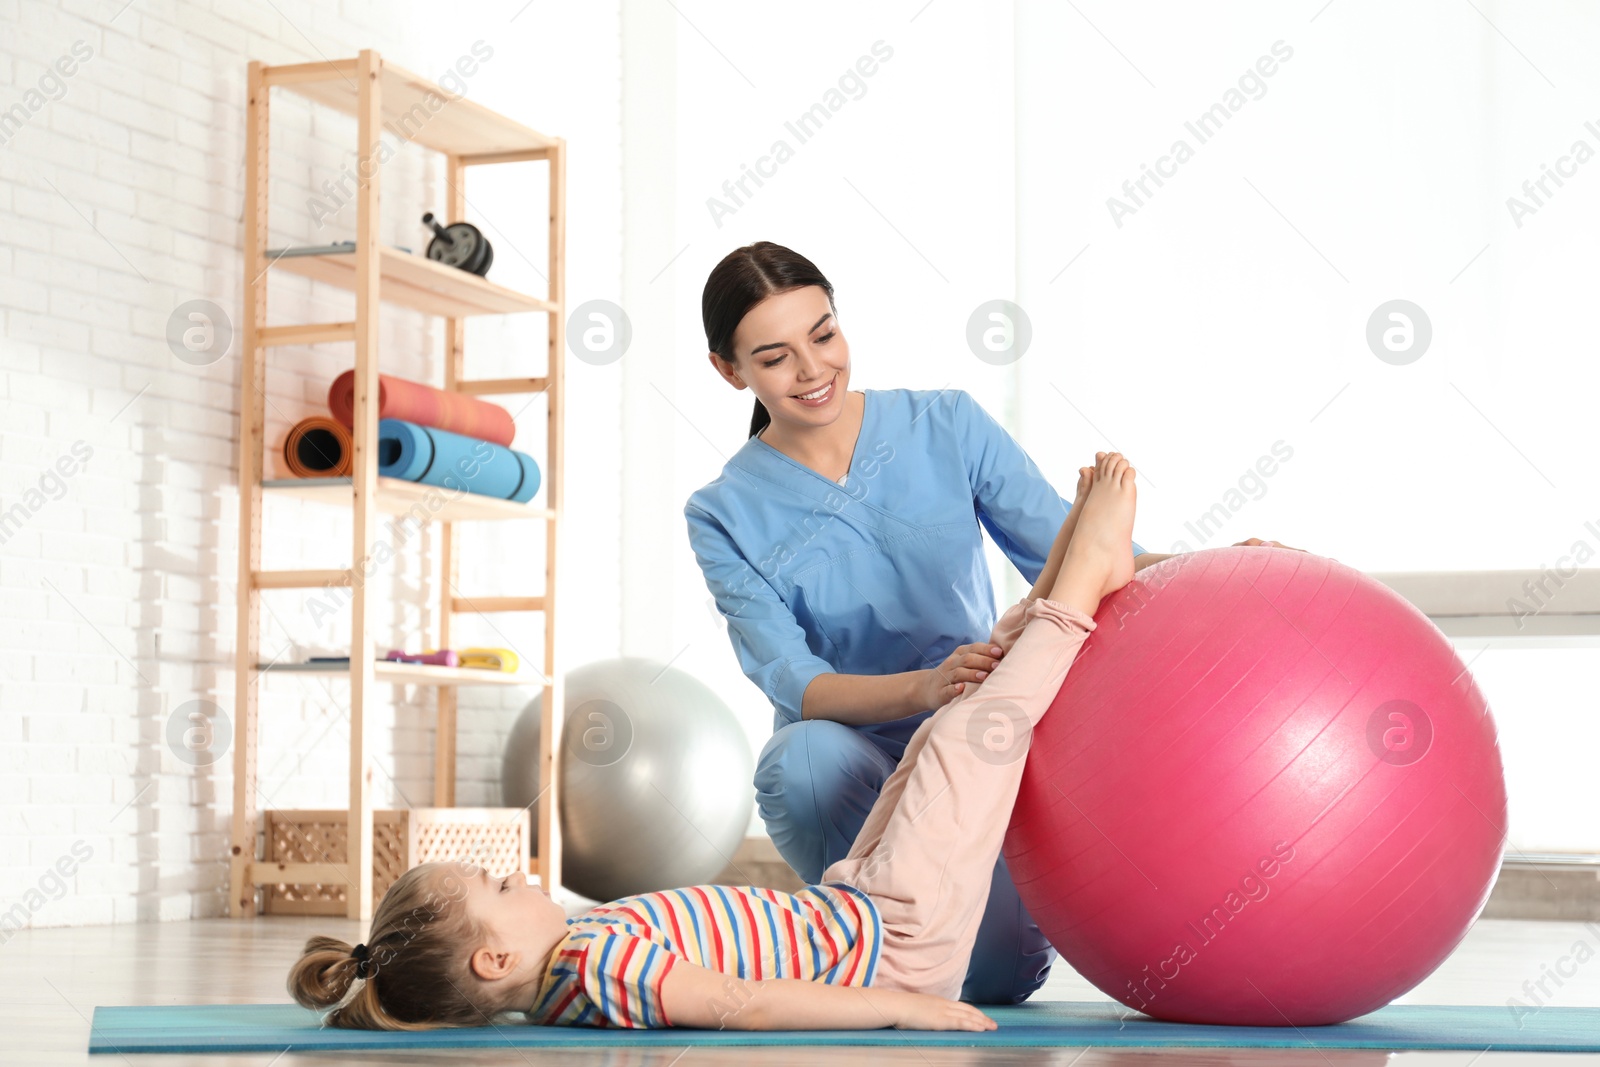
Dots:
pixel 317 447
pixel 400 398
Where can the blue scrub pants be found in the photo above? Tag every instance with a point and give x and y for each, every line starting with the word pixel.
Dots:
pixel 816 782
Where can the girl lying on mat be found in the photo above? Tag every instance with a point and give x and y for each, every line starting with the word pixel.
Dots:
pixel 883 940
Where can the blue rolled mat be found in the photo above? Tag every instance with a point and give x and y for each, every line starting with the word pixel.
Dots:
pixel 449 460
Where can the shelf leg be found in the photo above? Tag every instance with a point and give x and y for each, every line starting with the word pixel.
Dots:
pixel 252 392
pixel 549 830
pixel 364 479
pixel 455 329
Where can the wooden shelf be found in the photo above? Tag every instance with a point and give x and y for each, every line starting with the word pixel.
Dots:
pixel 411 673
pixel 387 100
pixel 455 125
pixel 398 497
pixel 416 282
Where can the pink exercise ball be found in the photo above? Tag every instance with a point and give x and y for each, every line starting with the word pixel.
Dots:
pixel 1267 794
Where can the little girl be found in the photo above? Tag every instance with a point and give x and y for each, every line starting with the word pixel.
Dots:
pixel 883 940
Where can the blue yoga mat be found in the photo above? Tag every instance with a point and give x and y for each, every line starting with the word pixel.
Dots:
pixel 277 1027
pixel 451 461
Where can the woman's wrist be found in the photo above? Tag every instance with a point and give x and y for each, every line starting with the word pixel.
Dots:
pixel 908 695
pixel 911 694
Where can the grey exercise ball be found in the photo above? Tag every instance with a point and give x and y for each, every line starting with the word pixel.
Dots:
pixel 656 778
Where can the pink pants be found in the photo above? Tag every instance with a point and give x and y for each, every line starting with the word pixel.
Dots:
pixel 927 851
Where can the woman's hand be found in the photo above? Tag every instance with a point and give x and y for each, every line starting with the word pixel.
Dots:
pixel 1254 541
pixel 968 663
pixel 922 1011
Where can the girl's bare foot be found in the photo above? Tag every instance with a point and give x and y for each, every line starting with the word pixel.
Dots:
pixel 1085 481
pixel 1099 557
pixel 1058 549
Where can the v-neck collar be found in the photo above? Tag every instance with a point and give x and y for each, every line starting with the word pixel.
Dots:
pixel 866 410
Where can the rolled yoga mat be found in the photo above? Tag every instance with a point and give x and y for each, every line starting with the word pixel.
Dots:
pixel 438 457
pixel 317 447
pixel 399 398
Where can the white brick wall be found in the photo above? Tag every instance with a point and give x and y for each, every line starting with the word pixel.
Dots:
pixel 122 197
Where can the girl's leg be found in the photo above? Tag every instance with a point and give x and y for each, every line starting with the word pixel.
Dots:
pixel 927 852
pixel 815 783
pixel 928 848
pixel 1058 549
pixel 1011 958
pixel 1004 635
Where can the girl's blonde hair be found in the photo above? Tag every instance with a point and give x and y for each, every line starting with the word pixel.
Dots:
pixel 418 975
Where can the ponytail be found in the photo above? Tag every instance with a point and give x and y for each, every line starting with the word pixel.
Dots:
pixel 415 975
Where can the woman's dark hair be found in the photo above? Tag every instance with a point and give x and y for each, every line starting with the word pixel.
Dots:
pixel 418 977
pixel 745 277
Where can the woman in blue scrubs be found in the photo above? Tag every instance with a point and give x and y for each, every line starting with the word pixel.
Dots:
pixel 842 544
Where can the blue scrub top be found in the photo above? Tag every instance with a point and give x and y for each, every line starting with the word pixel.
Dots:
pixel 884 573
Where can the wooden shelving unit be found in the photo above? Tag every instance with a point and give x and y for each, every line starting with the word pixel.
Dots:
pixel 382 96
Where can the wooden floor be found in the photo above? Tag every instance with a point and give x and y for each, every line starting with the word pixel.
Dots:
pixel 51 980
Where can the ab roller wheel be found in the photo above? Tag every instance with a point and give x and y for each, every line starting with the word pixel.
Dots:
pixel 460 244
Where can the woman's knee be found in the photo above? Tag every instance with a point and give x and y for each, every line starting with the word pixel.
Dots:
pixel 815 782
pixel 810 765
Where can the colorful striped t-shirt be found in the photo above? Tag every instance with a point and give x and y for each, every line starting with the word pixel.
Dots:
pixel 609 968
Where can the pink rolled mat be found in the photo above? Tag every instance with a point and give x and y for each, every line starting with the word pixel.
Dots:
pixel 400 398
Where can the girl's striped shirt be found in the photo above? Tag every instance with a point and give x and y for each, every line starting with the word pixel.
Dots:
pixel 609 968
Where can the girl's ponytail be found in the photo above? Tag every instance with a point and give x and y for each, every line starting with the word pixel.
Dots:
pixel 416 967
pixel 323 976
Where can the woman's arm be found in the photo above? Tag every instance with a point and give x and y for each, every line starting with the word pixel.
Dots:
pixel 1011 494
pixel 710 1000
pixel 767 639
pixel 863 699
pixel 772 650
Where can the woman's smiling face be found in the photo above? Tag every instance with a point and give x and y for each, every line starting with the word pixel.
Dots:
pixel 790 345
